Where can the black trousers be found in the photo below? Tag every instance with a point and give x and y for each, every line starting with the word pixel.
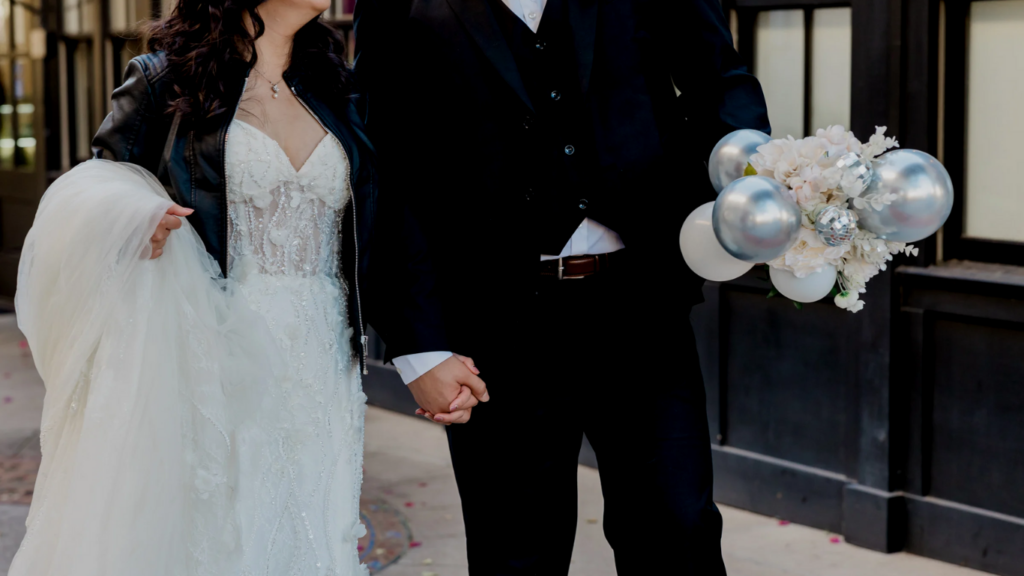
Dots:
pixel 591 356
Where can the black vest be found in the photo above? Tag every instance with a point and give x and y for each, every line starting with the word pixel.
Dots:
pixel 559 173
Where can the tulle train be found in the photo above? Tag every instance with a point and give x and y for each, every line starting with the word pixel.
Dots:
pixel 149 366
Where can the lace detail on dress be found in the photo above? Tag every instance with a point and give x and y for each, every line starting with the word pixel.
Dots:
pixel 301 460
pixel 284 221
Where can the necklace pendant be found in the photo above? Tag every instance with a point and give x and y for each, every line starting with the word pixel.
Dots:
pixel 276 89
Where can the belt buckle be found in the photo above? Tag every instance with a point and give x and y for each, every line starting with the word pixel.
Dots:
pixel 561 272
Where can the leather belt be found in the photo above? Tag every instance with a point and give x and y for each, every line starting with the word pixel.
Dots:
pixel 577 267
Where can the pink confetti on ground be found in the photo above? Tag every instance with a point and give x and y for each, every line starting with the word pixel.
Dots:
pixel 7 375
pixel 835 540
pixel 389 491
pixel 415 544
pixel 360 548
pixel 8 399
pixel 410 504
pixel 23 344
pixel 422 484
pixel 783 522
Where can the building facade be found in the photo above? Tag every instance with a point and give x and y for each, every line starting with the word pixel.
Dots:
pixel 901 427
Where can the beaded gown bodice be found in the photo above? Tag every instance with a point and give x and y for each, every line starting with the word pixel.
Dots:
pixel 301 459
pixel 284 221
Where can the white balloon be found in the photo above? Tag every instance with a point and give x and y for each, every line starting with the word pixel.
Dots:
pixel 810 289
pixel 702 251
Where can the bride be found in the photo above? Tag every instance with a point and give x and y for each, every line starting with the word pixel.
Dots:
pixel 204 411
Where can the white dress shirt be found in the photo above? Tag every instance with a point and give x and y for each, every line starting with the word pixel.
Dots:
pixel 589 238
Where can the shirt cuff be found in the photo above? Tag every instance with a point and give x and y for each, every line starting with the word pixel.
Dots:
pixel 412 366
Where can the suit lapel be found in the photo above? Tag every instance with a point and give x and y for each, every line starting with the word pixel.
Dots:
pixel 476 16
pixel 583 20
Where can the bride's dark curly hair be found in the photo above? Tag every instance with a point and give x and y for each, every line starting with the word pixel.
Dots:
pixel 202 39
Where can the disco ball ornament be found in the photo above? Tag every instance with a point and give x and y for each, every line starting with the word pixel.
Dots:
pixel 852 162
pixel 836 226
pixel 731 155
pixel 924 197
pixel 756 219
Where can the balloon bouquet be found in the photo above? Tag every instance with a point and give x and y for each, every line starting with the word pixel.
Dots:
pixel 825 213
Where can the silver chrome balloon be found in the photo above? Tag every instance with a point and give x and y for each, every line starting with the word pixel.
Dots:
pixel 731 155
pixel 924 197
pixel 836 226
pixel 755 219
pixel 854 163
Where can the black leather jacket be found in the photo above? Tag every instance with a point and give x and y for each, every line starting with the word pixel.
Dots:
pixel 138 128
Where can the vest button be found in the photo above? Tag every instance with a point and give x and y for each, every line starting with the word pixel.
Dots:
pixel 570 150
pixel 527 122
pixel 542 45
pixel 556 95
pixel 584 203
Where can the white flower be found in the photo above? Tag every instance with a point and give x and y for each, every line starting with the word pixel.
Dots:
pixel 260 195
pixel 768 156
pixel 775 159
pixel 831 177
pixel 857 272
pixel 838 141
pixel 878 144
pixel 852 185
pixel 851 301
pixel 809 255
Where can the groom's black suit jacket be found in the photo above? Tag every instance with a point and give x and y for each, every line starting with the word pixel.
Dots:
pixel 452 118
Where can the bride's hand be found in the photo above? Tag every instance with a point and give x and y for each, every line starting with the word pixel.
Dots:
pixel 461 408
pixel 170 221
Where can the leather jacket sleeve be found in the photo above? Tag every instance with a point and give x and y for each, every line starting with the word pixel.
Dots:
pixel 135 128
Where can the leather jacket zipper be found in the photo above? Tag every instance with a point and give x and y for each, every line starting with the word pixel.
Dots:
pixel 363 338
pixel 224 178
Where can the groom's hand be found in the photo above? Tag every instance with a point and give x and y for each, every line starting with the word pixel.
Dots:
pixel 448 392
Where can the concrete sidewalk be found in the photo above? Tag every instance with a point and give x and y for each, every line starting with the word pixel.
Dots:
pixel 407 461
pixel 409 481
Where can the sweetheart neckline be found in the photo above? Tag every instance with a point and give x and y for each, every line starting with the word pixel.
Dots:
pixel 277 145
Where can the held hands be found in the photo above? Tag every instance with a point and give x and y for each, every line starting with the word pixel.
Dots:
pixel 170 221
pixel 449 391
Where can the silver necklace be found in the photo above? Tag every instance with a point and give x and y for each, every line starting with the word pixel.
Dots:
pixel 273 85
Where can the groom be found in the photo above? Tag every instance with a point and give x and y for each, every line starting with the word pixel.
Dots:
pixel 549 150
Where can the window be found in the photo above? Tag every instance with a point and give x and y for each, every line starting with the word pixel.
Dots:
pixel 803 58
pixel 125 15
pixel 982 128
pixel 17 87
pixel 993 191
pixel 831 66
pixel 779 60
pixel 80 16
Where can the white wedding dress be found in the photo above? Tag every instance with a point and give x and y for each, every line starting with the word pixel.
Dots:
pixel 194 426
